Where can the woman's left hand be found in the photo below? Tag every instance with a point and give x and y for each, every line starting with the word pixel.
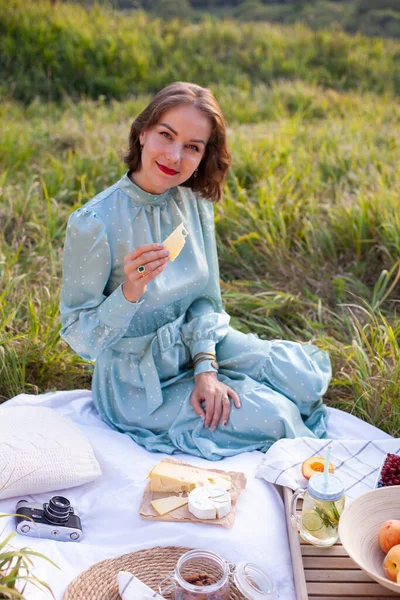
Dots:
pixel 216 395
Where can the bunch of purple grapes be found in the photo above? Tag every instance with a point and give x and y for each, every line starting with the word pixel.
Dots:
pixel 390 473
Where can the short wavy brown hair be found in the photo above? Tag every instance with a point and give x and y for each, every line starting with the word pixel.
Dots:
pixel 215 163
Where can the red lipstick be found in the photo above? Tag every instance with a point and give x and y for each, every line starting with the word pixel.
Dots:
pixel 166 170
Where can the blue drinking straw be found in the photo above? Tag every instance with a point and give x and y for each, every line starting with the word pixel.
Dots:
pixel 326 467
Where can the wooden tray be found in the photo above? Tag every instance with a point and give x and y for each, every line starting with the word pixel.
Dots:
pixel 328 573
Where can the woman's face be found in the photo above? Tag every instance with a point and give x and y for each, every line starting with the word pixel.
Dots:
pixel 172 149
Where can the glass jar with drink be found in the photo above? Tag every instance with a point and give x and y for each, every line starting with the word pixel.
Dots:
pixel 323 503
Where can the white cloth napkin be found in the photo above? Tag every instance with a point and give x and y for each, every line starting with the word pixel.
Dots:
pixel 357 462
pixel 131 588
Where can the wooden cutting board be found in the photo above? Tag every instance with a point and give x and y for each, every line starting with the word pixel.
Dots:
pixel 328 573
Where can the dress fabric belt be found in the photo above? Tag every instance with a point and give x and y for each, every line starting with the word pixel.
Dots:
pixel 166 337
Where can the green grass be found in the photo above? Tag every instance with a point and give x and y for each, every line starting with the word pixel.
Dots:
pixel 308 232
pixel 70 50
pixel 16 570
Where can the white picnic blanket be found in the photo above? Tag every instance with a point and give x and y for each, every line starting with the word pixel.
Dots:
pixel 109 506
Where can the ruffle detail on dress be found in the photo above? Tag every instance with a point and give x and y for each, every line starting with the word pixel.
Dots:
pixel 210 326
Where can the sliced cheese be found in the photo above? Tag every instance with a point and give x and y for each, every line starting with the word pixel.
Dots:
pixel 209 502
pixel 170 477
pixel 175 242
pixel 165 505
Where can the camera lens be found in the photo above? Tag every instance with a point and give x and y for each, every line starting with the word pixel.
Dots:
pixel 57 510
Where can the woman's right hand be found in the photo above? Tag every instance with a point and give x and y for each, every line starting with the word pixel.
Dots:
pixel 154 258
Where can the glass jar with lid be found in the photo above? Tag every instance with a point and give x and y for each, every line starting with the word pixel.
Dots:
pixel 254 582
pixel 203 575
pixel 198 575
pixel 322 506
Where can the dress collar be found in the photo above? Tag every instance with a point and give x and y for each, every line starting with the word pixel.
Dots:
pixel 138 195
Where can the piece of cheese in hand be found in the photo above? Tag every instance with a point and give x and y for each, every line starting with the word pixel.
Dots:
pixel 175 242
pixel 165 505
pixel 171 477
pixel 209 502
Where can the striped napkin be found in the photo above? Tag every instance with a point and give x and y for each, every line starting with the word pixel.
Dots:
pixel 131 588
pixel 357 462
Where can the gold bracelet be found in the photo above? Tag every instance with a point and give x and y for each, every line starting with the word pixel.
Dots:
pixel 200 358
pixel 200 354
pixel 213 361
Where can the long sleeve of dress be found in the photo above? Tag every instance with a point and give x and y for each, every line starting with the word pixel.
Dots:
pixel 91 321
pixel 206 321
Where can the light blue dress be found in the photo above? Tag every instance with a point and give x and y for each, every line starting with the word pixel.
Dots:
pixel 143 376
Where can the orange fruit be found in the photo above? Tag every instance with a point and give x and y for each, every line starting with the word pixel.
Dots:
pixel 313 465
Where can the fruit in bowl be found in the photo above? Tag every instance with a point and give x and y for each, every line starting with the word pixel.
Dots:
pixel 359 527
pixel 390 471
pixel 391 564
pixel 389 535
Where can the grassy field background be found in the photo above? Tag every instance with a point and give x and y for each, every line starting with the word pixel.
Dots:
pixel 308 232
pixel 71 50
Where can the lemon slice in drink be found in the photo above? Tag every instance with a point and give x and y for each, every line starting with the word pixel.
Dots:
pixel 312 522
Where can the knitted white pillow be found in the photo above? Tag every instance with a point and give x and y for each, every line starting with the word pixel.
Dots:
pixel 42 451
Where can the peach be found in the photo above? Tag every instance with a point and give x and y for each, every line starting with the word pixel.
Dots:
pixel 389 535
pixel 314 465
pixel 391 564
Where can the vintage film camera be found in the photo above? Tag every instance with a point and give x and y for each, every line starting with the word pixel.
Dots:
pixel 54 520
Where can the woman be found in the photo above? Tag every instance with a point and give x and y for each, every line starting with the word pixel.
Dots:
pixel 169 370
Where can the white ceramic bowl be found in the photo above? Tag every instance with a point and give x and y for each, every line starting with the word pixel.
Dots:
pixel 359 526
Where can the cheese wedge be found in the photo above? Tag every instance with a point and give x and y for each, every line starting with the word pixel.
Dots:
pixel 209 502
pixel 170 477
pixel 165 505
pixel 175 242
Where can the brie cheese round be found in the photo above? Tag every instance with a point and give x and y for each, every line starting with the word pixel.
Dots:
pixel 209 502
